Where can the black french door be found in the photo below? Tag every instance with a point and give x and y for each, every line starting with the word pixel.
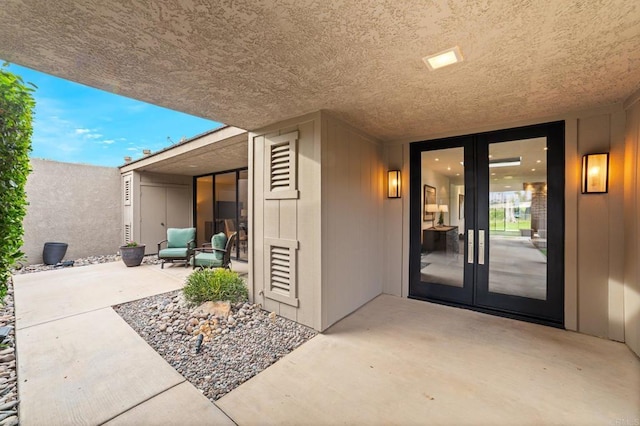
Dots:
pixel 487 222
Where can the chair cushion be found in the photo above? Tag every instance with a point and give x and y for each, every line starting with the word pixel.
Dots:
pixel 219 241
pixel 172 253
pixel 180 237
pixel 207 260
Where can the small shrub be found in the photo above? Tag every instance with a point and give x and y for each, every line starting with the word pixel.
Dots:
pixel 215 284
pixel 131 244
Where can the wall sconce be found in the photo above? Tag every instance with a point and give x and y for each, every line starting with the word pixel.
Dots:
pixel 395 184
pixel 595 173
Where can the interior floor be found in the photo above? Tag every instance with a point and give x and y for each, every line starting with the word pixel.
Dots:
pixel 517 267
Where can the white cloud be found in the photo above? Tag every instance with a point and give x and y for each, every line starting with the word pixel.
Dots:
pixel 82 131
pixel 108 141
pixel 93 136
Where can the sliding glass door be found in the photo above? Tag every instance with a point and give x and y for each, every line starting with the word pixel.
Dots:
pixel 222 206
pixel 487 222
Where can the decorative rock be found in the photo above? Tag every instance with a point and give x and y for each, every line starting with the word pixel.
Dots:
pixel 272 316
pixel 216 309
pixel 170 330
pixel 162 327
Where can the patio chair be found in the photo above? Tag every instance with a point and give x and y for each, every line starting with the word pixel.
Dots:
pixel 217 254
pixel 180 245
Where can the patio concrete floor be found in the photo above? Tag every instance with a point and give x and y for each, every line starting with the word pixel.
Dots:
pixel 394 361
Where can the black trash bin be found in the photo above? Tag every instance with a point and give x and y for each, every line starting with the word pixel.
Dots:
pixel 53 252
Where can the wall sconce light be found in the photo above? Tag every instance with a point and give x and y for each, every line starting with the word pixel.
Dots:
pixel 395 184
pixel 595 173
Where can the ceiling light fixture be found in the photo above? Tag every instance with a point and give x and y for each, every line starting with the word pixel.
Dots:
pixel 505 162
pixel 444 58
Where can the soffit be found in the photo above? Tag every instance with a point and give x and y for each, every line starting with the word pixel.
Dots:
pixel 252 63
pixel 227 154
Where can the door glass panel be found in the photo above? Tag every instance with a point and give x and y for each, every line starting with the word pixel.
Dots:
pixel 204 209
pixel 225 209
pixel 442 217
pixel 518 218
pixel 243 206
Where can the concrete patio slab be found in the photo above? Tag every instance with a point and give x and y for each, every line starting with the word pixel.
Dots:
pixel 181 405
pixel 86 369
pixel 56 294
pixel 400 361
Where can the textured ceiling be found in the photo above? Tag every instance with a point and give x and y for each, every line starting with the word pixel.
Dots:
pixel 251 63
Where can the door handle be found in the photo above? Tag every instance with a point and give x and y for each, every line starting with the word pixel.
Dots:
pixel 481 247
pixel 470 253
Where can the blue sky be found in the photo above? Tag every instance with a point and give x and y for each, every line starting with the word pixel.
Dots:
pixel 78 124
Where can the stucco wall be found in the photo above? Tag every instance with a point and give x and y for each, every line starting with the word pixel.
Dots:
pixel 594 226
pixel 72 203
pixel 632 229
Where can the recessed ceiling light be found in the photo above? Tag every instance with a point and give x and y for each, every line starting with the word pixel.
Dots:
pixel 192 165
pixel 533 170
pixel 545 148
pixel 538 161
pixel 457 174
pixel 444 58
pixel 493 174
pixel 507 186
pixel 448 168
pixel 437 159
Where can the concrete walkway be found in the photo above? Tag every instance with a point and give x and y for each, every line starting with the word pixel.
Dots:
pixel 80 363
pixel 394 361
pixel 404 362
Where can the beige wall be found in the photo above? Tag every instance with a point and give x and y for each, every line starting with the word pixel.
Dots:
pixel 353 190
pixel 632 229
pixel 594 252
pixel 296 220
pixel 336 220
pixel 171 204
pixel 72 203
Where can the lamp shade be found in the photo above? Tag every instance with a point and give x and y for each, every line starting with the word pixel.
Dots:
pixel 443 208
pixel 595 173
pixel 432 208
pixel 395 184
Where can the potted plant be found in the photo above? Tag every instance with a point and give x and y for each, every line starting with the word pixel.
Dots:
pixel 132 253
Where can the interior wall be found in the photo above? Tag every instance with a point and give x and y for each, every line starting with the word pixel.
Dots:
pixel 442 186
pixel 594 235
pixel 353 190
pixel 632 229
pixel 66 201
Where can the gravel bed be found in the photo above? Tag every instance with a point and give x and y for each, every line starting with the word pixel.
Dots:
pixel 233 349
pixel 8 379
pixel 91 260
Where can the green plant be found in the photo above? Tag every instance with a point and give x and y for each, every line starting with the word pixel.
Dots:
pixel 214 284
pixel 131 244
pixel 16 117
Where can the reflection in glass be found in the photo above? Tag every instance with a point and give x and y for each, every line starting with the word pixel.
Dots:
pixel 442 245
pixel 518 218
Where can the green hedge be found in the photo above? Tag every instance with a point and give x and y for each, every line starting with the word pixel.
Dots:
pixel 16 116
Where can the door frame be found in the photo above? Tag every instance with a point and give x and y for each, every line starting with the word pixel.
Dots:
pixel 474 145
